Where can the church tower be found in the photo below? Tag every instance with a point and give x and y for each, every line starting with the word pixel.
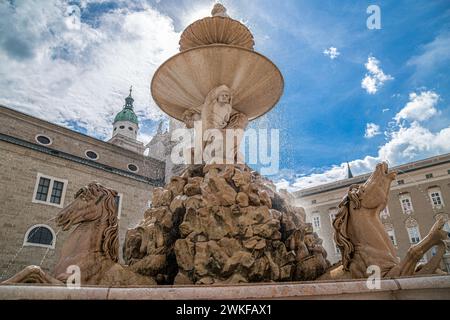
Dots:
pixel 126 127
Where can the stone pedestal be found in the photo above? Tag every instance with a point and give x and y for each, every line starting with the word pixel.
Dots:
pixel 430 287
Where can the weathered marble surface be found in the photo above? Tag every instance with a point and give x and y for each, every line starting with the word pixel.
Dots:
pixel 219 28
pixel 364 242
pixel 217 50
pixel 223 224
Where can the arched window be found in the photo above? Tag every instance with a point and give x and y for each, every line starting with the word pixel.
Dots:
pixel 40 235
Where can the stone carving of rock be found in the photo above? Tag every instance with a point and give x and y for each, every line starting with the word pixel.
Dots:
pixel 241 178
pixel 184 251
pixel 242 199
pixel 195 202
pixel 182 279
pixel 176 185
pixel 177 203
pixel 161 197
pixel 150 265
pixel 224 224
pixel 219 189
pixel 193 187
pixel 264 198
pixel 240 258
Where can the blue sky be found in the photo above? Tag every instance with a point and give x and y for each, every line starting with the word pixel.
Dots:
pixel 385 96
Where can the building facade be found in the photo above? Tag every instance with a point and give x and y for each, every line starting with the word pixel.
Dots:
pixel 419 195
pixel 43 165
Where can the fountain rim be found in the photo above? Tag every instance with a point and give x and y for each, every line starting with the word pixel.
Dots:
pixel 218 45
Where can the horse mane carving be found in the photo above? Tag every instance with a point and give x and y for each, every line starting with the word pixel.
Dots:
pixel 106 197
pixel 340 224
pixel 94 248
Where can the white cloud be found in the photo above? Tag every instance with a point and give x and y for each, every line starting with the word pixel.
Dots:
pixel 375 77
pixel 434 56
pixel 407 142
pixel 420 107
pixel 406 145
pixel 331 52
pixel 59 68
pixel 372 130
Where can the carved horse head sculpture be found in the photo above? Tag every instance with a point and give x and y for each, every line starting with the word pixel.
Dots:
pixel 362 238
pixel 373 196
pixel 96 205
pixel 92 246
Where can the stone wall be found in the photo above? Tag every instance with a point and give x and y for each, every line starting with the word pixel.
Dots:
pixel 19 167
pixel 25 127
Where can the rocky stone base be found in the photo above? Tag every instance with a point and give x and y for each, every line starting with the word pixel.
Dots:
pixel 223 224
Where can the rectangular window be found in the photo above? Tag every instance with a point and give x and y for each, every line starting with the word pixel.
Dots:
pixel 49 190
pixel 400 181
pixel 429 176
pixel 313 201
pixel 316 222
pixel 57 192
pixel 436 198
pixel 405 201
pixel 406 204
pixel 414 235
pixel 391 234
pixel 42 191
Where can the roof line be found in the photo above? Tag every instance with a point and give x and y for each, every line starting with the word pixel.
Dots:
pixel 105 143
pixel 363 177
pixel 87 162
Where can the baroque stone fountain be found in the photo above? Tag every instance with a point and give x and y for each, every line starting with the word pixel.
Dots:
pixel 220 221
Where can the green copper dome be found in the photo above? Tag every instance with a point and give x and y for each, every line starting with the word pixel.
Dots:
pixel 127 114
